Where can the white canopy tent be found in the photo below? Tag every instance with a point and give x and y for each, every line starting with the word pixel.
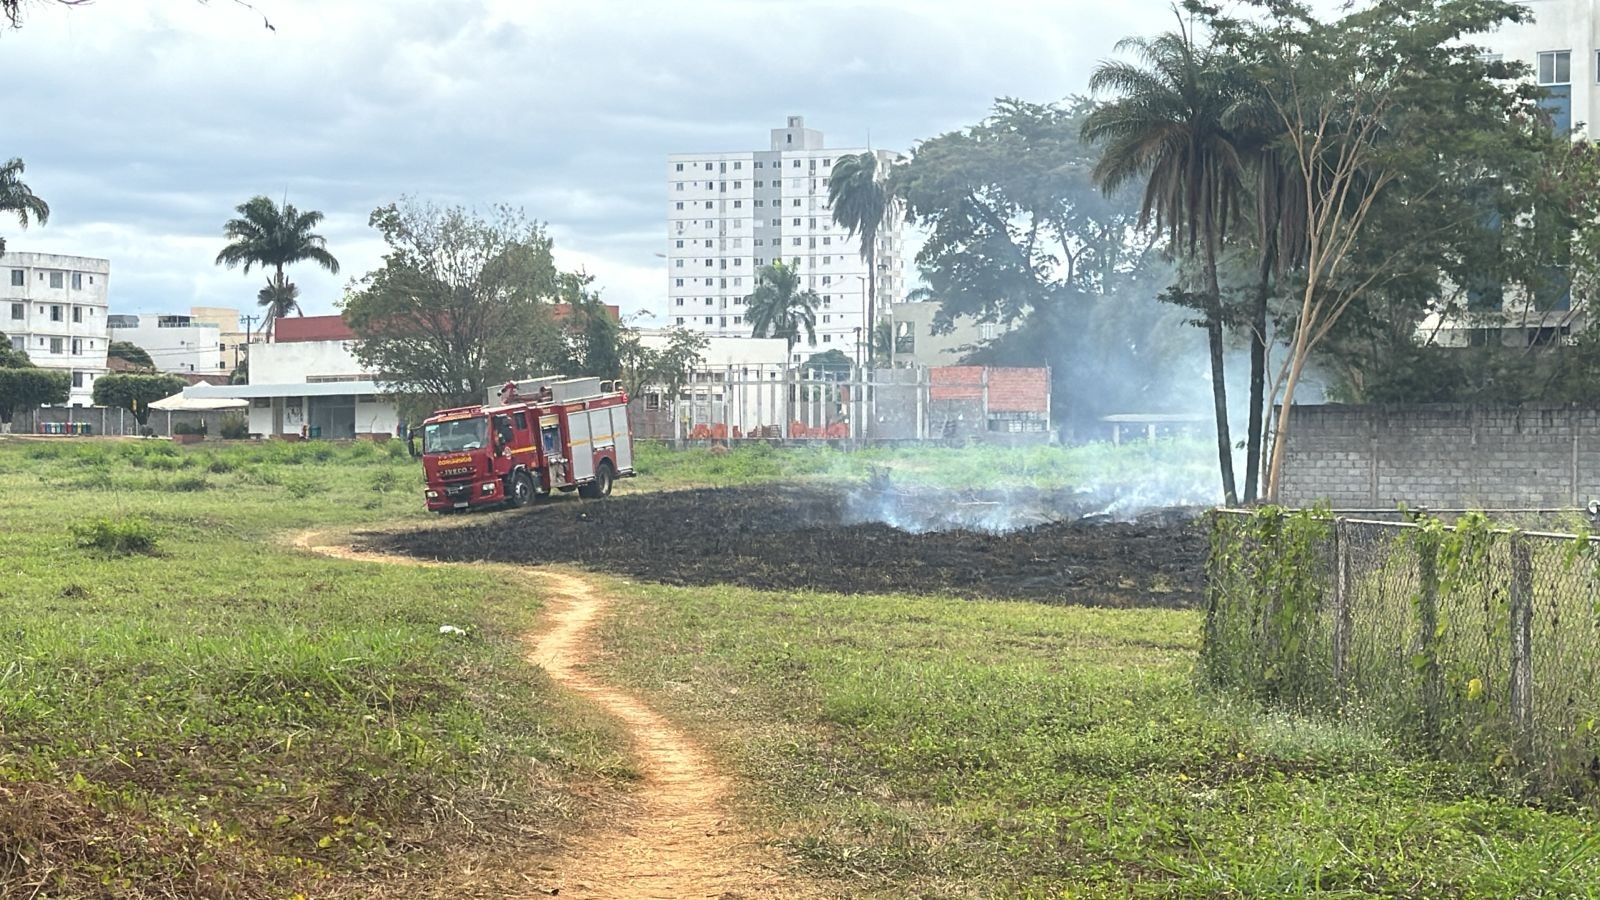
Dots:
pixel 179 402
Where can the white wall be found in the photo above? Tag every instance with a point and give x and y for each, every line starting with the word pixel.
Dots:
pixel 193 348
pixel 378 417
pixel 297 361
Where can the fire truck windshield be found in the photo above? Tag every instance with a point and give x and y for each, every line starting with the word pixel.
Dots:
pixel 453 437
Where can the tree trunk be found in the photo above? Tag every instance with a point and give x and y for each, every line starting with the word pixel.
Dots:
pixel 1219 384
pixel 1258 374
pixel 872 293
pixel 1280 435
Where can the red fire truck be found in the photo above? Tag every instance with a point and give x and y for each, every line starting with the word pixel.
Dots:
pixel 531 439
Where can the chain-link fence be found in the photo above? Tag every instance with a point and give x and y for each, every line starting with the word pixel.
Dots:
pixel 1476 643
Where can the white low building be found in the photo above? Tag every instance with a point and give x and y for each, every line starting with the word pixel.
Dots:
pixel 308 382
pixel 181 344
pixel 54 309
pixel 739 381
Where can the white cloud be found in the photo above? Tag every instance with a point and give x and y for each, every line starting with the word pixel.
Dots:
pixel 144 124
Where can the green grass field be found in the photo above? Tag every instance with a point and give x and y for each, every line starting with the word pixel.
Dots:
pixel 227 716
pixel 944 748
pixel 220 714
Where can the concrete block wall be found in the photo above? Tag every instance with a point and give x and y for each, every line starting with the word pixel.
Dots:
pixel 1443 456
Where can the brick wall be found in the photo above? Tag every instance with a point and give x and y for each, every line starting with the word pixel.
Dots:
pixel 1443 456
pixel 1019 390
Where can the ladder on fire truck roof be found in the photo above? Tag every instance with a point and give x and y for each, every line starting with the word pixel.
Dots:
pixel 562 390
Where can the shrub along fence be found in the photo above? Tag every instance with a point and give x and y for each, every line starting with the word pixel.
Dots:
pixel 1475 643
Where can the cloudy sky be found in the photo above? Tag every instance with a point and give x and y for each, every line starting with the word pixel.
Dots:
pixel 143 122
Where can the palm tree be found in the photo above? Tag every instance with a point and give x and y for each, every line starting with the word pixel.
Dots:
pixel 280 297
pixel 779 308
pixel 861 202
pixel 269 235
pixel 1167 127
pixel 17 197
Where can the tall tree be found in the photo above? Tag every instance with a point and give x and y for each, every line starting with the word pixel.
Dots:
pixel 131 353
pixel 859 196
pixel 24 386
pixel 1385 110
pixel 1167 126
pixel 16 197
pixel 272 236
pixel 279 298
pixel 666 367
pixel 779 308
pixel 461 303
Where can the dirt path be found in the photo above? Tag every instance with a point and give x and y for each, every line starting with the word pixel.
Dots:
pixel 672 837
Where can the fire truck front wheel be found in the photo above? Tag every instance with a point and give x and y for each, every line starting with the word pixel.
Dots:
pixel 519 490
pixel 601 485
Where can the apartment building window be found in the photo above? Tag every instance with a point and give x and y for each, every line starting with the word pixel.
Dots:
pixel 55 312
pixel 738 204
pixel 797 221
pixel 724 322
pixel 1555 67
pixel 709 319
pixel 827 279
pixel 761 242
pixel 680 320
pixel 737 166
pixel 760 261
pixel 77 281
pixel 708 245
pixel 77 379
pixel 679 302
pixel 826 319
pixel 77 346
pixel 795 165
pixel 722 167
pixel 17 278
pixel 738 282
pixel 813 221
pixel 678 244
pixel 776 223
pixel 758 184
pixel 680 167
pixel 824 182
pixel 57 345
pixel 795 262
pixel 738 320
pixel 738 243
pixel 708 282
pixel 17 311
pixel 677 263
pixel 677 185
pixel 827 299
pixel 795 241
pixel 708 204
pixel 826 162
pixel 19 342
pixel 738 185
pixel 77 314
pixel 813 243
pixel 761 203
pixel 680 204
pixel 827 260
pixel 826 240
pixel 679 282
pixel 797 202
pixel 710 263
pixel 738 260
pixel 708 167
pixel 56 280
pixel 759 163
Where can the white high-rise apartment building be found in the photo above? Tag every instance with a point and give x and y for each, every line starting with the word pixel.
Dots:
pixel 729 214
pixel 54 308
pixel 1562 47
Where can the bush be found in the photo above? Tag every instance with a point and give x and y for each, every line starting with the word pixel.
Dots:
pixel 385 480
pixel 235 428
pixel 189 484
pixel 189 428
pixel 122 537
pixel 302 488
pixel 260 473
pixel 220 465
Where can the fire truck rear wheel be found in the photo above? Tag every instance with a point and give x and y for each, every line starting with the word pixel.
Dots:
pixel 601 486
pixel 520 490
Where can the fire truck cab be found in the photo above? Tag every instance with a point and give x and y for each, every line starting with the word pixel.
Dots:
pixel 530 438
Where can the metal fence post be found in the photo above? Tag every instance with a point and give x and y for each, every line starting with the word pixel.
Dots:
pixel 1342 616
pixel 1522 646
pixel 1428 635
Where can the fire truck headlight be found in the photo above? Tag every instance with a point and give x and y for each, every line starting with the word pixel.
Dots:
pixel 488 488
pixel 433 495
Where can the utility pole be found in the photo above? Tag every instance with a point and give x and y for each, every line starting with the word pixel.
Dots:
pixel 249 332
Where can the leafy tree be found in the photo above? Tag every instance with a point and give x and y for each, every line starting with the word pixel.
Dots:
pixel 272 236
pixel 131 353
pixel 462 302
pixel 279 298
pixel 25 386
pixel 16 197
pixel 1385 110
pixel 135 393
pixel 590 329
pixel 1167 127
pixel 859 195
pixel 667 367
pixel 779 308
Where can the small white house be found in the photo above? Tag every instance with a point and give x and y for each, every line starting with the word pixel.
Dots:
pixel 308 382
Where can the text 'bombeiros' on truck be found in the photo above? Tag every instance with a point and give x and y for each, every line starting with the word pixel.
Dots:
pixel 529 439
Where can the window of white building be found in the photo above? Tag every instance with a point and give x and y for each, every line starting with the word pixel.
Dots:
pixel 1555 67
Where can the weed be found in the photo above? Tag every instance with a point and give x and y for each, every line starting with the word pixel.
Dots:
pixel 221 465
pixel 189 484
pixel 385 480
pixel 302 487
pixel 120 537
